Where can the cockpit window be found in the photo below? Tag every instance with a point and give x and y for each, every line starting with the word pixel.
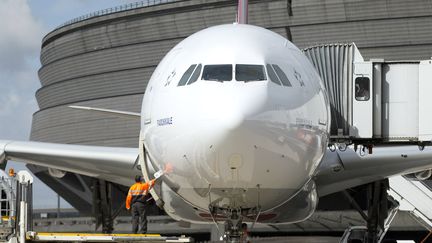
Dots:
pixel 218 73
pixel 248 73
pixel 186 75
pixel 195 74
pixel 282 76
pixel 272 75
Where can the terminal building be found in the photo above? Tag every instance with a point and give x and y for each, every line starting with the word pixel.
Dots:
pixel 105 59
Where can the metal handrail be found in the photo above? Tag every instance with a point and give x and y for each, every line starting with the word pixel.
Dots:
pixel 121 8
pixel 7 199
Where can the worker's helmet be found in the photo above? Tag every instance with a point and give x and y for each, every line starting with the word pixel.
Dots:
pixel 138 178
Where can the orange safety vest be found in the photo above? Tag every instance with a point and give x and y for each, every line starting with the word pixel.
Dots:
pixel 138 190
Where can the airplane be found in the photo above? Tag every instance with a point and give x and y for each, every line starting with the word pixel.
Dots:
pixel 235 122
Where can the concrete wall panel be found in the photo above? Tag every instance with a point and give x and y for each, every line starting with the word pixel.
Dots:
pixel 62 124
pixel 118 83
pixel 104 61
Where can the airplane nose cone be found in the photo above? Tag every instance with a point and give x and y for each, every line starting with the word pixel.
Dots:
pixel 231 121
pixel 231 108
pixel 233 147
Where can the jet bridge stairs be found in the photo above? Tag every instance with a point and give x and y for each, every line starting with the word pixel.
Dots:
pixel 380 103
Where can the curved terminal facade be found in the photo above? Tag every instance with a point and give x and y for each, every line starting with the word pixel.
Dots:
pixel 106 60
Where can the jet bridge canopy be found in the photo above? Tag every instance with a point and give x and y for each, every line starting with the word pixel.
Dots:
pixel 374 101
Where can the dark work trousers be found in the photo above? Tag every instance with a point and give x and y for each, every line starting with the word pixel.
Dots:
pixel 139 218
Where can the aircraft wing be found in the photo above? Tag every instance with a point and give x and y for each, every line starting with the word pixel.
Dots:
pixel 109 163
pixel 341 170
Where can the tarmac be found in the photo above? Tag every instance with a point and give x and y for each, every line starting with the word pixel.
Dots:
pixel 326 227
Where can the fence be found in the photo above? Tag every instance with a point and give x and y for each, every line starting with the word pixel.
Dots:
pixel 125 7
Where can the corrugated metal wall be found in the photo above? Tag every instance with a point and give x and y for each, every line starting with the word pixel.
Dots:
pixel 396 29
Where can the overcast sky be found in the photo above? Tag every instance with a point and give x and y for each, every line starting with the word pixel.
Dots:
pixel 23 23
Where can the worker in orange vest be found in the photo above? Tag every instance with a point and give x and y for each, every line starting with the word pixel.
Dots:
pixel 137 198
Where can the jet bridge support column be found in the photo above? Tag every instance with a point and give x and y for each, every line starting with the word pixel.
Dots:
pixel 377 210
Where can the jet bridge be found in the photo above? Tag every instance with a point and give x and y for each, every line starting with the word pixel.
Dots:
pixel 375 101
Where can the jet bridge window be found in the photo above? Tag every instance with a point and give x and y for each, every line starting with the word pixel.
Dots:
pixel 362 88
pixel 218 73
pixel 191 75
pixel 248 73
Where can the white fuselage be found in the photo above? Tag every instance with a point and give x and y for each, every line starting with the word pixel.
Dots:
pixel 236 144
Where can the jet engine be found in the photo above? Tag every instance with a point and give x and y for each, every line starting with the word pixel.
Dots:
pixel 56 173
pixel 420 176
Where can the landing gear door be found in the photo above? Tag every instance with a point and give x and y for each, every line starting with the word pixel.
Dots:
pixel 362 100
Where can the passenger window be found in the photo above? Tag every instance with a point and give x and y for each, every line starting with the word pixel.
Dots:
pixel 282 76
pixel 248 73
pixel 272 75
pixel 186 75
pixel 195 75
pixel 218 73
pixel 362 88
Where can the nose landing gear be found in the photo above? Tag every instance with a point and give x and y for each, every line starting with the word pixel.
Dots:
pixel 234 228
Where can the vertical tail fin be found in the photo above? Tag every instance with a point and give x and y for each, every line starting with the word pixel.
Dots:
pixel 242 12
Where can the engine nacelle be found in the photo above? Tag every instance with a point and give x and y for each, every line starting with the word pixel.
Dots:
pixel 56 173
pixel 2 157
pixel 420 176
pixel 423 175
pixel 2 151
